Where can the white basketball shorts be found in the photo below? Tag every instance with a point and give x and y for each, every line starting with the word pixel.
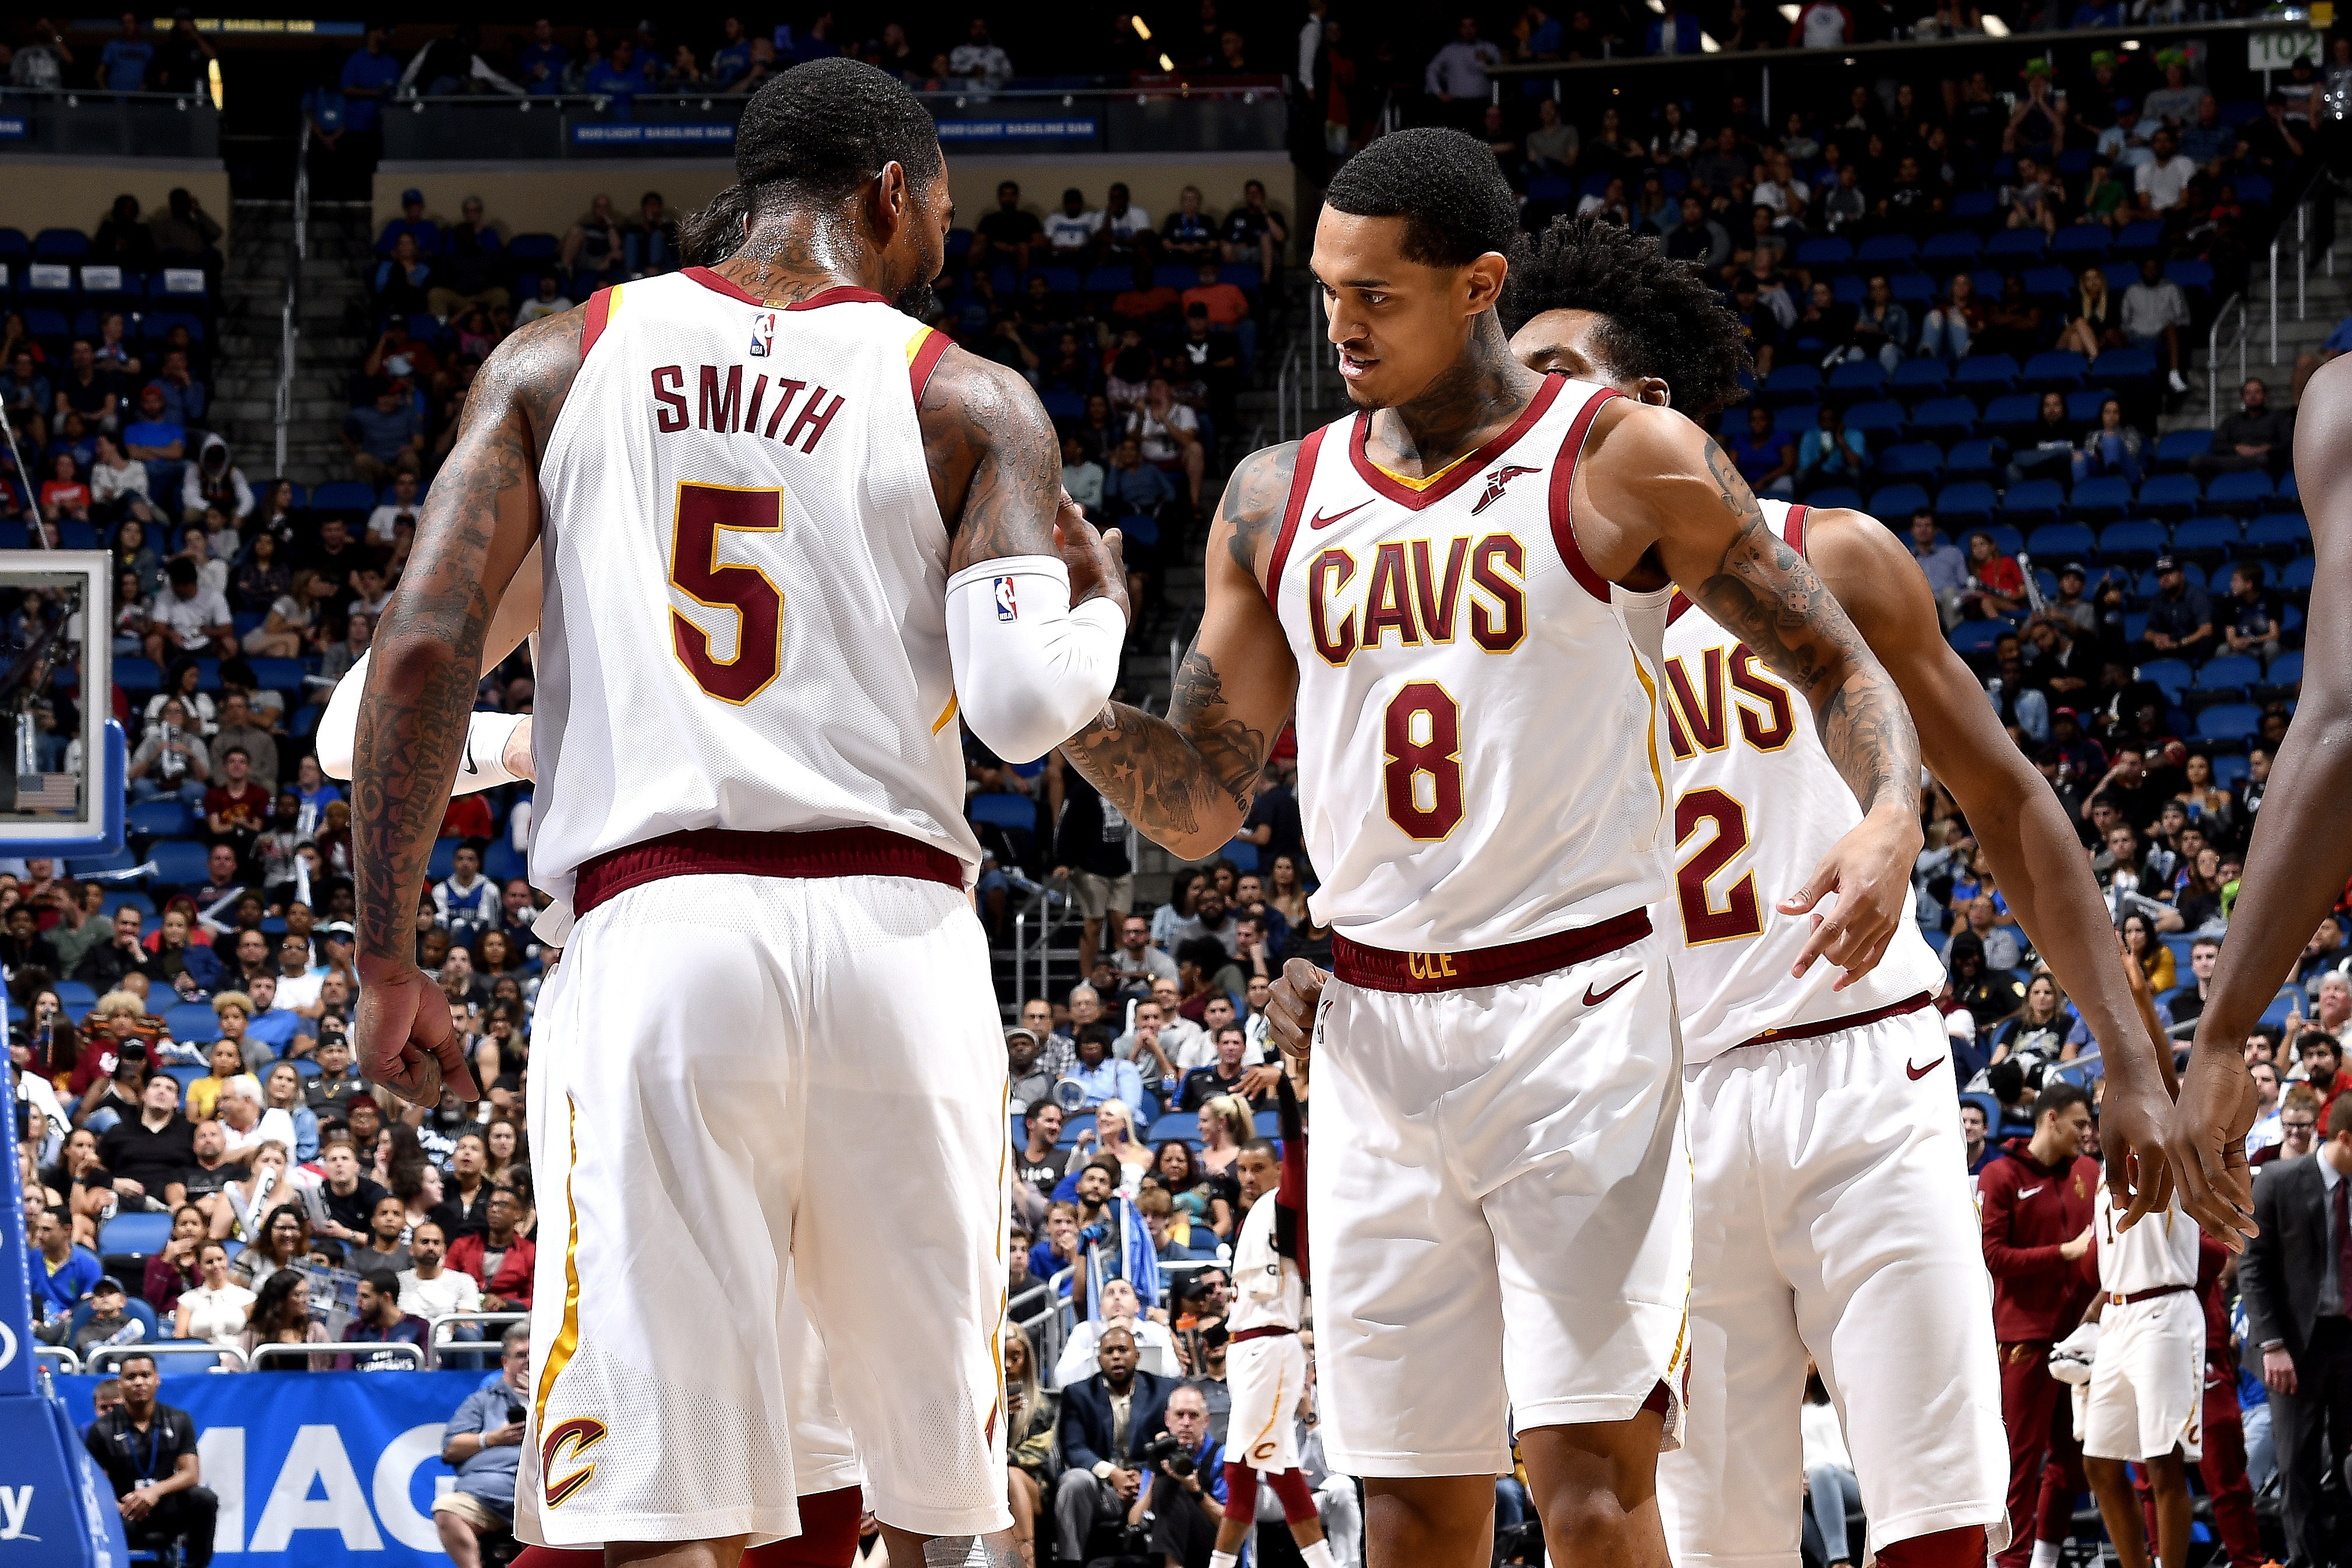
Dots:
pixel 1834 1218
pixel 1499 1201
pixel 1266 1377
pixel 2148 1381
pixel 744 1084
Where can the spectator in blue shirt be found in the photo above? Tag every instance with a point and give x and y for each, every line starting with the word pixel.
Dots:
pixel 1674 33
pixel 379 1322
pixel 123 67
pixel 730 62
pixel 1830 453
pixel 1133 485
pixel 384 437
pixel 1103 1076
pixel 1946 568
pixel 618 77
pixel 368 79
pixel 412 221
pixel 1767 462
pixel 540 64
pixel 184 395
pixel 62 1272
pixel 483 1443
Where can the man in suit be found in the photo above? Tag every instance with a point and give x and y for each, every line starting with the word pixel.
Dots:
pixel 1107 1421
pixel 2296 1277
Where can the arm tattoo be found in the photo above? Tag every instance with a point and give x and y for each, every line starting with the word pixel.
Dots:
pixel 419 704
pixel 1253 500
pixel 1765 592
pixel 996 468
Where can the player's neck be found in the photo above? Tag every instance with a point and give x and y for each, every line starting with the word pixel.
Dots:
pixel 793 256
pixel 2056 1154
pixel 1467 405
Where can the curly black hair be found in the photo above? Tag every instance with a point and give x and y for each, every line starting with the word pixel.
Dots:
pixel 1445 185
pixel 1663 320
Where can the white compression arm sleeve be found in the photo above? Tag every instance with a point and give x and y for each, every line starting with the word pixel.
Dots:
pixel 482 767
pixel 1030 671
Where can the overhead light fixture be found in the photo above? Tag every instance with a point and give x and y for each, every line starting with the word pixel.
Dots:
pixel 213 80
pixel 1994 26
pixel 1166 64
pixel 1788 14
pixel 1140 31
pixel 1706 44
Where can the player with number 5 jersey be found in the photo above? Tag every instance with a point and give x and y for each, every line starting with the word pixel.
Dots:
pixel 1499 1191
pixel 788 535
pixel 1834 1216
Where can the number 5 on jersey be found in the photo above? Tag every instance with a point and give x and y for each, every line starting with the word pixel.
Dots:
pixel 759 604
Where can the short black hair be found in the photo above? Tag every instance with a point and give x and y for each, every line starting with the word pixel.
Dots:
pixel 384 1281
pixel 1662 319
pixel 2058 1098
pixel 1447 187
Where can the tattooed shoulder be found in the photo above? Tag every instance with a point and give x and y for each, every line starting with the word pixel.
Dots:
pixel 1253 501
pixel 532 371
pixel 996 464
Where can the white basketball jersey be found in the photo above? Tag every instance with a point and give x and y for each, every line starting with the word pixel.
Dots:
pixel 745 623
pixel 1756 803
pixel 2159 1250
pixel 1267 1290
pixel 1477 761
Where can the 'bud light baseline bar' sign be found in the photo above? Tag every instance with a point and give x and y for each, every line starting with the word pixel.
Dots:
pixel 682 134
pixel 1083 129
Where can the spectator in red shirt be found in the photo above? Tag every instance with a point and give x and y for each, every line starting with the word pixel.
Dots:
pixel 1147 304
pixel 1996 586
pixel 64 495
pixel 468 816
pixel 2037 1217
pixel 1227 304
pixel 500 1260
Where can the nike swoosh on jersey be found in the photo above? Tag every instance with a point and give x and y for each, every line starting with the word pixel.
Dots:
pixel 468 767
pixel 1917 1073
pixel 1593 1000
pixel 2025 1193
pixel 1319 520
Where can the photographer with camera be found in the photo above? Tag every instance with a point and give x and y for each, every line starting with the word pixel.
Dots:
pixel 1185 1507
pixel 483 1443
pixel 1106 1421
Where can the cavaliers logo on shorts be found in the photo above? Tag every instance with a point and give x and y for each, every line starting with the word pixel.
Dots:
pixel 580 1434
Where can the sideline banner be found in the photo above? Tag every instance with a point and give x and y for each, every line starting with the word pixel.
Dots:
pixel 314 1469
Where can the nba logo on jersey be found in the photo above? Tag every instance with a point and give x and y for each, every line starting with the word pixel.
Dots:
pixel 763 333
pixel 1006 610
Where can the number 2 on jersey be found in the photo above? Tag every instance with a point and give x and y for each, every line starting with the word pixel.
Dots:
pixel 1409 759
pixel 758 603
pixel 1740 915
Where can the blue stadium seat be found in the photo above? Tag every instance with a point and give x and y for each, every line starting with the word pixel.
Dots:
pixel 1974 206
pixel 2229 771
pixel 2082 407
pixel 2170 675
pixel 159 819
pixel 2176 447
pixel 1914 379
pixel 1845 496
pixel 1793 383
pixel 1950 252
pixel 1878 422
pixel 2228 723
pixel 344 496
pixel 1986 373
pixel 1919 461
pixel 1886 250
pixel 1002 810
pixel 2013 414
pixel 1978 637
pixel 2081 243
pixel 1855 381
pixel 2140 239
pixel 2127 370
pixel 2150 585
pixel 2101 499
pixel 1944 420
pixel 2169 496
pixel 503 863
pixel 2233 674
pixel 2205 539
pixel 1967 505
pixel 2059 542
pixel 72 991
pixel 137 675
pixel 179 862
pixel 1896 504
pixel 443 861
pixel 2137 540
pixel 2275 535
pixel 2241 493
pixel 2297 576
pixel 277 674
pixel 1243 854
pixel 2284 674
pixel 1828 253
pixel 60 245
pixel 1915 290
pixel 2195 277
pixel 2034 501
pixel 138 1235
pixel 1110 279
pixel 1979 458
pixel 2012 248
pixel 184 1074
pixel 2290 493
pixel 2057 371
pixel 192 1023
pixel 2252 188
pixel 526 249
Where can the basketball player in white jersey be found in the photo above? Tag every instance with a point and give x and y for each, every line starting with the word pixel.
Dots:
pixel 787 531
pixel 2147 1380
pixel 1859 1249
pixel 1499 1194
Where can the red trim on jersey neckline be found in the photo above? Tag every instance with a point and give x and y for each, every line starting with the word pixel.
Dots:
pixel 839 294
pixel 1302 479
pixel 702 851
pixel 1563 498
pixel 1792 530
pixel 1461 473
pixel 1380 969
pixel 1677 605
pixel 927 360
pixel 600 311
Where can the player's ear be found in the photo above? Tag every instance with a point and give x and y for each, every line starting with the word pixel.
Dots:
pixel 1654 391
pixel 1483 281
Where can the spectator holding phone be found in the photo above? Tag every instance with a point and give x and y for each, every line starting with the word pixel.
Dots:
pixel 483 1443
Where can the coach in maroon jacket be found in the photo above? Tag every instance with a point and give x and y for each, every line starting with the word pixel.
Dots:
pixel 2037 1209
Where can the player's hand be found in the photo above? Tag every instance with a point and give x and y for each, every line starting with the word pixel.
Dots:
pixel 1095 558
pixel 404 1039
pixel 2133 1116
pixel 1869 869
pixel 1126 1482
pixel 1291 1006
pixel 2071 1250
pixel 2278 1370
pixel 516 758
pixel 2205 1143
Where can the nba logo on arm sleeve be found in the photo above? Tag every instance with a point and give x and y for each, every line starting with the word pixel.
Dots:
pixel 763 333
pixel 1006 608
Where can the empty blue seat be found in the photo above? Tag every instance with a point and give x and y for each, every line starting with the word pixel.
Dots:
pixel 1978 637
pixel 1979 458
pixel 1110 279
pixel 277 674
pixel 2205 539
pixel 2060 542
pixel 1793 383
pixel 1919 461
pixel 2005 539
pixel 179 862
pixel 1827 252
pixel 2169 496
pixel 2054 286
pixel 2195 275
pixel 1986 372
pixel 2016 245
pixel 1004 810
pixel 137 675
pixel 2140 239
pixel 2298 575
pixel 140 1234
pixel 2290 494
pixel 1886 250
pixel 1950 252
pixel 2241 493
pixel 2137 540
pixel 1896 504
pixel 2170 675
pixel 1918 378
pixel 1974 206
pixel 2034 501
pixel 2285 673
pixel 2127 369
pixel 2057 371
pixel 1877 423
pixel 2277 534
pixel 2082 242
pixel 2228 723
pixel 192 1023
pixel 2082 407
pixel 1856 380
pixel 2232 672
pixel 2174 448
pixel 1945 419
pixel 2013 414
pixel 1829 496
pixel 1965 505
pixel 344 496
pixel 60 245
pixel 1915 290
pixel 159 819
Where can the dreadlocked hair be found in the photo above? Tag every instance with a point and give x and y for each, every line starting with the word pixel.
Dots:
pixel 1659 316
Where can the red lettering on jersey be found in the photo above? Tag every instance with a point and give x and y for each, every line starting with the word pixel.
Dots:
pixel 1766 734
pixel 1502 635
pixel 717 412
pixel 813 420
pixel 1437 605
pixel 1388 602
pixel 751 409
pixel 786 390
pixel 1707 719
pixel 669 416
pixel 1335 649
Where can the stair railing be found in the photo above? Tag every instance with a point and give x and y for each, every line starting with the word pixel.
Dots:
pixel 286 331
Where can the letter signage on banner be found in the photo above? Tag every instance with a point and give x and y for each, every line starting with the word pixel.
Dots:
pixel 314 1469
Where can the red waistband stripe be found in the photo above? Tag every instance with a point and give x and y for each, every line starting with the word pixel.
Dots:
pixel 704 851
pixel 1379 969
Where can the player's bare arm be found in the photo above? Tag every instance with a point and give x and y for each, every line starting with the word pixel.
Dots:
pixel 1186 779
pixel 2299 858
pixel 2021 829
pixel 479 523
pixel 1650 477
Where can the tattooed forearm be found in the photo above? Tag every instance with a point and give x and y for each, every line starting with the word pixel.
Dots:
pixel 1171 776
pixel 1765 592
